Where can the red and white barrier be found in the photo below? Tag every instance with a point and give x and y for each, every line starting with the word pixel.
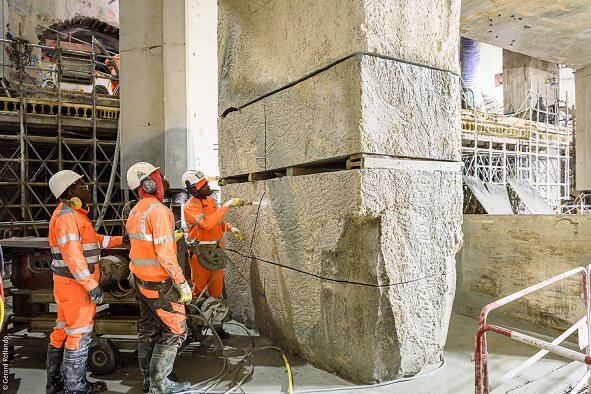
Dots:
pixel 481 353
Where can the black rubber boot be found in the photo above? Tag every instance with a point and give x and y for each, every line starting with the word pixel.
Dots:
pixel 144 356
pixel 74 370
pixel 55 380
pixel 162 363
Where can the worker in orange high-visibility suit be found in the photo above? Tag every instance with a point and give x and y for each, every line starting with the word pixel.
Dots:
pixel 114 66
pixel 205 223
pixel 162 327
pixel 75 247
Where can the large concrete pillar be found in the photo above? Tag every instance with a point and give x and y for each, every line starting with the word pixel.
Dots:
pixel 521 73
pixel 351 267
pixel 168 85
pixel 583 129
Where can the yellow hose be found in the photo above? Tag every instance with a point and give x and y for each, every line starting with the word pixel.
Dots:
pixel 289 376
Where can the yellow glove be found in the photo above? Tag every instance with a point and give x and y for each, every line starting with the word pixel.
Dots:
pixel 185 291
pixel 178 234
pixel 238 233
pixel 234 202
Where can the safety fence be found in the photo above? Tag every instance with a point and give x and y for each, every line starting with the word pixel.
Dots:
pixel 481 351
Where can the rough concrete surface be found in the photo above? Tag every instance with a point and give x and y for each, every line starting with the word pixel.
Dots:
pixel 370 282
pixel 556 31
pixel 506 253
pixel 365 104
pixel 265 44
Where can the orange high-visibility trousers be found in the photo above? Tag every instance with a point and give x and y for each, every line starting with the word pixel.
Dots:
pixel 75 313
pixel 200 276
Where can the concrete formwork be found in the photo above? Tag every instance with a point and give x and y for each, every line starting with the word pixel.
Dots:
pixel 352 269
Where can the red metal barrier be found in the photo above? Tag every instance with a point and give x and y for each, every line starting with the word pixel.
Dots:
pixel 481 354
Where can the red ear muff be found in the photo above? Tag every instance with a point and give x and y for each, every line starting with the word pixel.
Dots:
pixel 149 186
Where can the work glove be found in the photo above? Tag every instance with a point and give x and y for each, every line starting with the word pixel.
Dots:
pixel 125 239
pixel 186 293
pixel 178 234
pixel 96 295
pixel 238 234
pixel 234 202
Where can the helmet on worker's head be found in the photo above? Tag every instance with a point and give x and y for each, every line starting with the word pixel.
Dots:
pixel 195 178
pixel 61 181
pixel 138 172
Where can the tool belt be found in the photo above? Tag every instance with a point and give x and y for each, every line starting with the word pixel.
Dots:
pixel 209 253
pixel 152 285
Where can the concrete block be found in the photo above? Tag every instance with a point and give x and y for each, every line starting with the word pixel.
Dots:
pixel 264 45
pixel 365 104
pixel 354 270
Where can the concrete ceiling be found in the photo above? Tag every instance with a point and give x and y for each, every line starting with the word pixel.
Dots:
pixel 555 30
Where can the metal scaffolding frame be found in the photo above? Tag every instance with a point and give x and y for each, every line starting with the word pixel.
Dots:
pixel 45 128
pixel 532 144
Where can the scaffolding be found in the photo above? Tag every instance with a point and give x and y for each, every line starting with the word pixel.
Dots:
pixel 45 127
pixel 533 144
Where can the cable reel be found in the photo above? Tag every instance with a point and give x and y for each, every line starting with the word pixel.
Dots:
pixel 215 310
pixel 210 255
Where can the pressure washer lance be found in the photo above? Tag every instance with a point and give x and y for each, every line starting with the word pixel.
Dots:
pixel 253 203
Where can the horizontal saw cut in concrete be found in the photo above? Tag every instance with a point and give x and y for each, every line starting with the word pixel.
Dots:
pixel 354 270
pixel 265 45
pixel 365 104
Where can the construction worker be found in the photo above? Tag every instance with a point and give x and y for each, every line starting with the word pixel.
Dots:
pixel 162 327
pixel 114 66
pixel 204 220
pixel 75 247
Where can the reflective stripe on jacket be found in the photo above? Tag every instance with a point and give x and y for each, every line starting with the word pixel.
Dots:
pixel 153 249
pixel 75 246
pixel 204 219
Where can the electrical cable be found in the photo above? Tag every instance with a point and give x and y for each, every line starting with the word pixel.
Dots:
pixel 358 387
pixel 327 67
pixel 289 374
pixel 222 373
pixel 371 386
pixel 337 280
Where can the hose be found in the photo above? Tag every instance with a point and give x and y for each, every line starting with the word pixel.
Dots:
pixel 289 374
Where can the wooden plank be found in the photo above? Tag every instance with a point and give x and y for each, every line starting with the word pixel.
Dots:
pixel 296 171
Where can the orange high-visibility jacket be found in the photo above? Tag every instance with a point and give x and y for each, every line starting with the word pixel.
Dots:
pixel 153 249
pixel 75 245
pixel 204 219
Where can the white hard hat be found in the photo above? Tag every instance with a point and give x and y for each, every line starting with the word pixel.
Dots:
pixel 138 172
pixel 195 177
pixel 62 180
